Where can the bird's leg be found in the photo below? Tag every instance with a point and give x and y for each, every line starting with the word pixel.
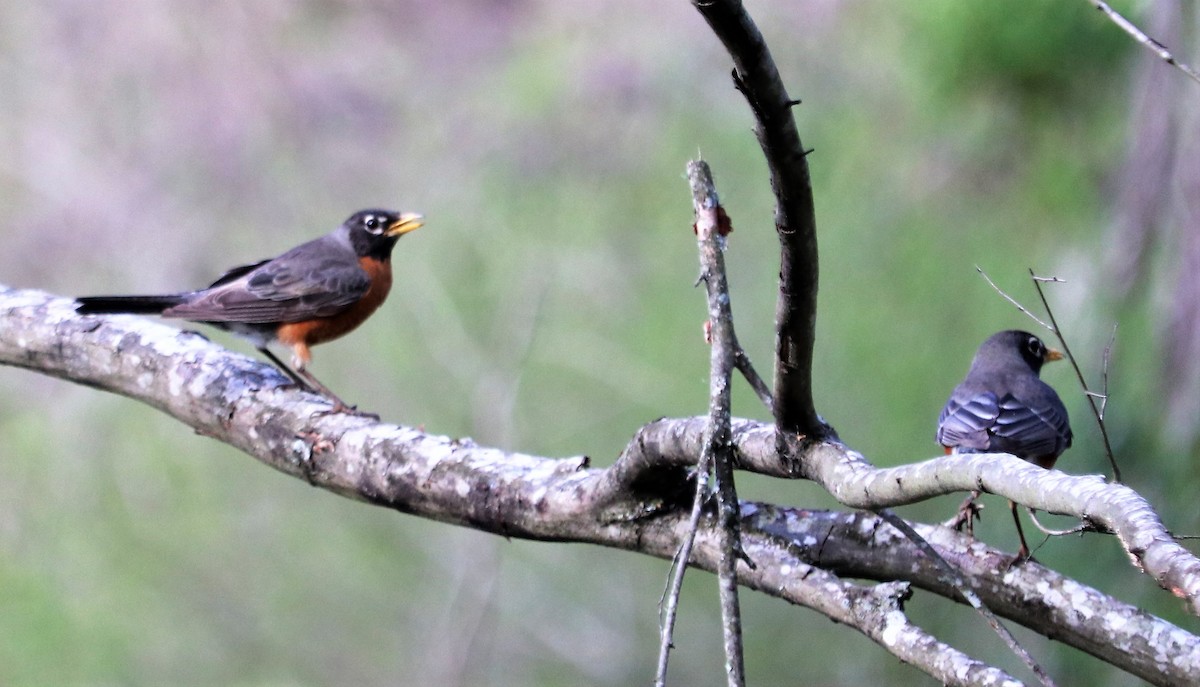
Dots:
pixel 306 381
pixel 300 359
pixel 968 513
pixel 1022 554
pixel 339 406
pixel 297 379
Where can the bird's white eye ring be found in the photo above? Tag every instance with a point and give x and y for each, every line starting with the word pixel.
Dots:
pixel 1035 346
pixel 371 223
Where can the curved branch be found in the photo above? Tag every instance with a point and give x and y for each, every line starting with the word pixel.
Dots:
pixel 640 503
pixel 756 76
pixel 666 445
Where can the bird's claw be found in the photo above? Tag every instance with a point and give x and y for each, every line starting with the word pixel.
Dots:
pixel 340 408
pixel 964 520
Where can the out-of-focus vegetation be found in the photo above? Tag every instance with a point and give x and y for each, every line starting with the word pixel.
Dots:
pixel 546 307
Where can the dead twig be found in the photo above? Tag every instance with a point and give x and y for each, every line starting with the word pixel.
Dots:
pixel 1140 36
pixel 1012 300
pixel 711 228
pixel 742 361
pixel 669 604
pixel 1052 326
pixel 1062 340
pixel 1083 526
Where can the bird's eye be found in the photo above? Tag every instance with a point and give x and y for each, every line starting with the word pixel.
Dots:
pixel 371 223
pixel 1035 347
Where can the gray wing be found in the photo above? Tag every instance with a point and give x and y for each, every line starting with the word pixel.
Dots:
pixel 1033 427
pixel 1027 428
pixel 309 281
pixel 967 420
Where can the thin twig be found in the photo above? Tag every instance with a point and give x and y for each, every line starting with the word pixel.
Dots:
pixel 1140 36
pixel 955 579
pixel 742 361
pixel 670 604
pixel 1037 284
pixel 1012 300
pixel 1104 371
pixel 1052 325
pixel 712 227
pixel 1083 526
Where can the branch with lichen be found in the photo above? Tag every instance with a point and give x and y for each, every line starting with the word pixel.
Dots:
pixel 640 503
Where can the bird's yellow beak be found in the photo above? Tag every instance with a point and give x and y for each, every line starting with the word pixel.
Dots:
pixel 407 222
pixel 1052 354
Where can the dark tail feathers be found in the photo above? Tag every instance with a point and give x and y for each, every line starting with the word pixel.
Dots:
pixel 126 305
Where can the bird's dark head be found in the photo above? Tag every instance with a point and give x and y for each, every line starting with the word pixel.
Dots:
pixel 1015 342
pixel 373 233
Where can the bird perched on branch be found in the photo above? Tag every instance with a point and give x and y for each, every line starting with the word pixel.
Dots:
pixel 311 294
pixel 1004 407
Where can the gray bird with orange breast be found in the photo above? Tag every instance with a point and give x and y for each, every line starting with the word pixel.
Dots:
pixel 311 294
pixel 1003 406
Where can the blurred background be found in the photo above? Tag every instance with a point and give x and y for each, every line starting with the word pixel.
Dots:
pixel 548 307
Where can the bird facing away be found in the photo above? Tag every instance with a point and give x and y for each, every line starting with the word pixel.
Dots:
pixel 313 293
pixel 1003 406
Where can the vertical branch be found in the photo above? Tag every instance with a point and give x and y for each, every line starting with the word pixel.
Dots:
pixel 756 76
pixel 716 454
pixel 712 226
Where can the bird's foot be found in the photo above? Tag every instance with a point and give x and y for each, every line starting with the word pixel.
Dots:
pixel 968 513
pixel 340 408
pixel 1023 556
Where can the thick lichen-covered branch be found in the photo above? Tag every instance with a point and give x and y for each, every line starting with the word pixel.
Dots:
pixel 640 502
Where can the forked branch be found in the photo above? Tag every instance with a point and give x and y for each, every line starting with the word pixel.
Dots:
pixel 640 502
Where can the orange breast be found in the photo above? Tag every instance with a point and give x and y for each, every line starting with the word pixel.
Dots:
pixel 301 335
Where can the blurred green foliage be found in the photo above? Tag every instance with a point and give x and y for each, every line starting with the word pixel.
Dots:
pixel 1040 54
pixel 547 307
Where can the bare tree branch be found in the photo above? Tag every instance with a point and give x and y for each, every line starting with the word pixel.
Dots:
pixel 1140 36
pixel 1097 413
pixel 679 563
pixel 711 227
pixel 1012 300
pixel 968 595
pixel 756 76
pixel 639 504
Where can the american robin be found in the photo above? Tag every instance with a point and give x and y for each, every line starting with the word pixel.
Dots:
pixel 311 294
pixel 1002 406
